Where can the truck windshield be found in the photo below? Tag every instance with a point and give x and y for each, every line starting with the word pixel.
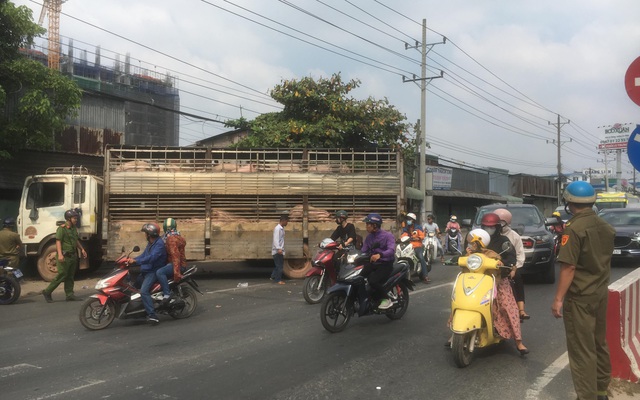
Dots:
pixel 45 194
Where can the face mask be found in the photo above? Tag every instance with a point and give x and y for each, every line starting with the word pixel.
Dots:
pixel 409 222
pixel 490 230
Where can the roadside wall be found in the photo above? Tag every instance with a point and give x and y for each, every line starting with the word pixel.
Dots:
pixel 623 327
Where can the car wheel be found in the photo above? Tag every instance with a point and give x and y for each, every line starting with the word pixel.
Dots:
pixel 549 274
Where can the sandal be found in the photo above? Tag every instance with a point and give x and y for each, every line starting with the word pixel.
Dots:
pixel 426 280
pixel 524 315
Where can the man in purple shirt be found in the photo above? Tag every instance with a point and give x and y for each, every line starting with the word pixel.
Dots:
pixel 380 244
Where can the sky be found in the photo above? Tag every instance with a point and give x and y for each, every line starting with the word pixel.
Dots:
pixel 509 68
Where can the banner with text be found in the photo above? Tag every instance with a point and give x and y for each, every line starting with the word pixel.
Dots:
pixel 441 177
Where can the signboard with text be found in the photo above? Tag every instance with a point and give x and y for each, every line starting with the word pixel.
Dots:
pixel 616 137
pixel 441 177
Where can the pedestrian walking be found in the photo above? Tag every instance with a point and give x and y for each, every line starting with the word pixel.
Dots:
pixel 277 249
pixel 67 246
pixel 582 292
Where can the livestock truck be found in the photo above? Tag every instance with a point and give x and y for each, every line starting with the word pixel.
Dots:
pixel 226 201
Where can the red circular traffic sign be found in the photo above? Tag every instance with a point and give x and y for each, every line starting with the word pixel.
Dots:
pixel 632 81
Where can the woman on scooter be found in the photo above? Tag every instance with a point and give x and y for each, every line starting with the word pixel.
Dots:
pixel 381 245
pixel 506 315
pixel 416 234
pixel 515 276
pixel 453 224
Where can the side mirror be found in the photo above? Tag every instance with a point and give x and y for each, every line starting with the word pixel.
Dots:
pixel 506 246
pixel 466 222
pixel 136 249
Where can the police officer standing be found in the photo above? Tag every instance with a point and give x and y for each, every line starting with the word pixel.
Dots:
pixel 10 242
pixel 582 292
pixel 67 246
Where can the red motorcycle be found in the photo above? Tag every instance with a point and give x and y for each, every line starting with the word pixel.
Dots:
pixel 118 297
pixel 323 273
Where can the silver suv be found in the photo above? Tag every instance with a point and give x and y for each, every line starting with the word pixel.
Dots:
pixel 528 221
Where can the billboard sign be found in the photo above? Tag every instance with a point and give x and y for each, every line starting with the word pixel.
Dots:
pixel 441 177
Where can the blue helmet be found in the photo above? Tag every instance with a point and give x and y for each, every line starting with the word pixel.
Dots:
pixel 579 192
pixel 375 219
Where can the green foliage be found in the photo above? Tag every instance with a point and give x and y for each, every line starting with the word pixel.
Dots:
pixel 34 100
pixel 320 114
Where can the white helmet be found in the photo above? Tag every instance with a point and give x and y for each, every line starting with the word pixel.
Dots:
pixel 479 235
pixel 412 216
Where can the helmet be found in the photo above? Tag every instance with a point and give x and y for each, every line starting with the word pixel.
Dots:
pixel 9 221
pixel 479 236
pixel 70 214
pixel 375 219
pixel 151 229
pixel 556 214
pixel 579 192
pixel 453 218
pixel 341 214
pixel 504 215
pixel 490 219
pixel 169 224
pixel 412 216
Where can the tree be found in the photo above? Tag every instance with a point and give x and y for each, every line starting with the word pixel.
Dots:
pixel 321 114
pixel 34 100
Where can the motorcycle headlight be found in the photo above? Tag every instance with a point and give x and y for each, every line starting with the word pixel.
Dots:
pixel 103 283
pixel 474 262
pixel 352 274
pixel 351 258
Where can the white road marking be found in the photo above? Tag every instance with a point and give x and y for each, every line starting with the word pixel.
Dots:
pixel 547 376
pixel 16 369
pixel 49 396
pixel 432 287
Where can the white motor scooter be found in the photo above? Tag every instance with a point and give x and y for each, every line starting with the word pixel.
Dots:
pixel 405 252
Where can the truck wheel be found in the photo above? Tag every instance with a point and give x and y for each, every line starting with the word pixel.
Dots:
pixel 296 268
pixel 47 263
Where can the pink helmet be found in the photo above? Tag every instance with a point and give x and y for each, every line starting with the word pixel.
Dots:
pixel 504 214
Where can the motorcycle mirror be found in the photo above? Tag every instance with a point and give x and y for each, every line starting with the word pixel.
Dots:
pixel 136 249
pixel 506 246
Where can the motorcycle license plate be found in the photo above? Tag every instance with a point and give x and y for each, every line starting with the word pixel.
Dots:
pixel 617 251
pixel 17 273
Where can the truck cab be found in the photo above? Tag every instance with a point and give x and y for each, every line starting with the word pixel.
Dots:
pixel 44 200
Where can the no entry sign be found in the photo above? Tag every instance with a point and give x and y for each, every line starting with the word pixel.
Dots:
pixel 632 81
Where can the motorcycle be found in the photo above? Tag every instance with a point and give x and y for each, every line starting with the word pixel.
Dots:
pixel 323 272
pixel 9 283
pixel 118 297
pixel 453 242
pixel 430 245
pixel 472 302
pixel 405 252
pixel 344 298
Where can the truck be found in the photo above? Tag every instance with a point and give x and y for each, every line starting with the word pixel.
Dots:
pixel 226 201
pixel 616 200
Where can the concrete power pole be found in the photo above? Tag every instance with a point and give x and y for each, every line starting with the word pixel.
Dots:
pixel 427 202
pixel 559 143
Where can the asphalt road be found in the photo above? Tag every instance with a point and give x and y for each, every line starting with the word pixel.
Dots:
pixel 265 342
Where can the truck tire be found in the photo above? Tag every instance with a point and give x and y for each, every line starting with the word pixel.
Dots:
pixel 296 268
pixel 47 263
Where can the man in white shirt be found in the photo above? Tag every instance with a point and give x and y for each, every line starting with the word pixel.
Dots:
pixel 277 250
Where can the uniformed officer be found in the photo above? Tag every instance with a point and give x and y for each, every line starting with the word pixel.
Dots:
pixel 10 242
pixel 67 246
pixel 582 292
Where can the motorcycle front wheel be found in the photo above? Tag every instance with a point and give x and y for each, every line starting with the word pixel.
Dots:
pixel 188 296
pixel 314 288
pixel 461 348
pixel 95 316
pixel 401 292
pixel 9 289
pixel 336 312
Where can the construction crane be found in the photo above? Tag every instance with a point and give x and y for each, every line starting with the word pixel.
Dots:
pixel 53 8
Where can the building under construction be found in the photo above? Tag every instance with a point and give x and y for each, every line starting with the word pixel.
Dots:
pixel 120 104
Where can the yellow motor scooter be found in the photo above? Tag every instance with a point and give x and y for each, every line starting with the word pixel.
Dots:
pixel 472 302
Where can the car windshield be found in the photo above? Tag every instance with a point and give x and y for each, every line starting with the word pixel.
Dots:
pixel 630 217
pixel 519 216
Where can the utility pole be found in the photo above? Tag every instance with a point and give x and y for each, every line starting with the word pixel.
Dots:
pixel 606 170
pixel 423 79
pixel 559 143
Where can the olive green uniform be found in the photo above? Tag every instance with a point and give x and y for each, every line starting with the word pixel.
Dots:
pixel 68 237
pixel 587 243
pixel 9 243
